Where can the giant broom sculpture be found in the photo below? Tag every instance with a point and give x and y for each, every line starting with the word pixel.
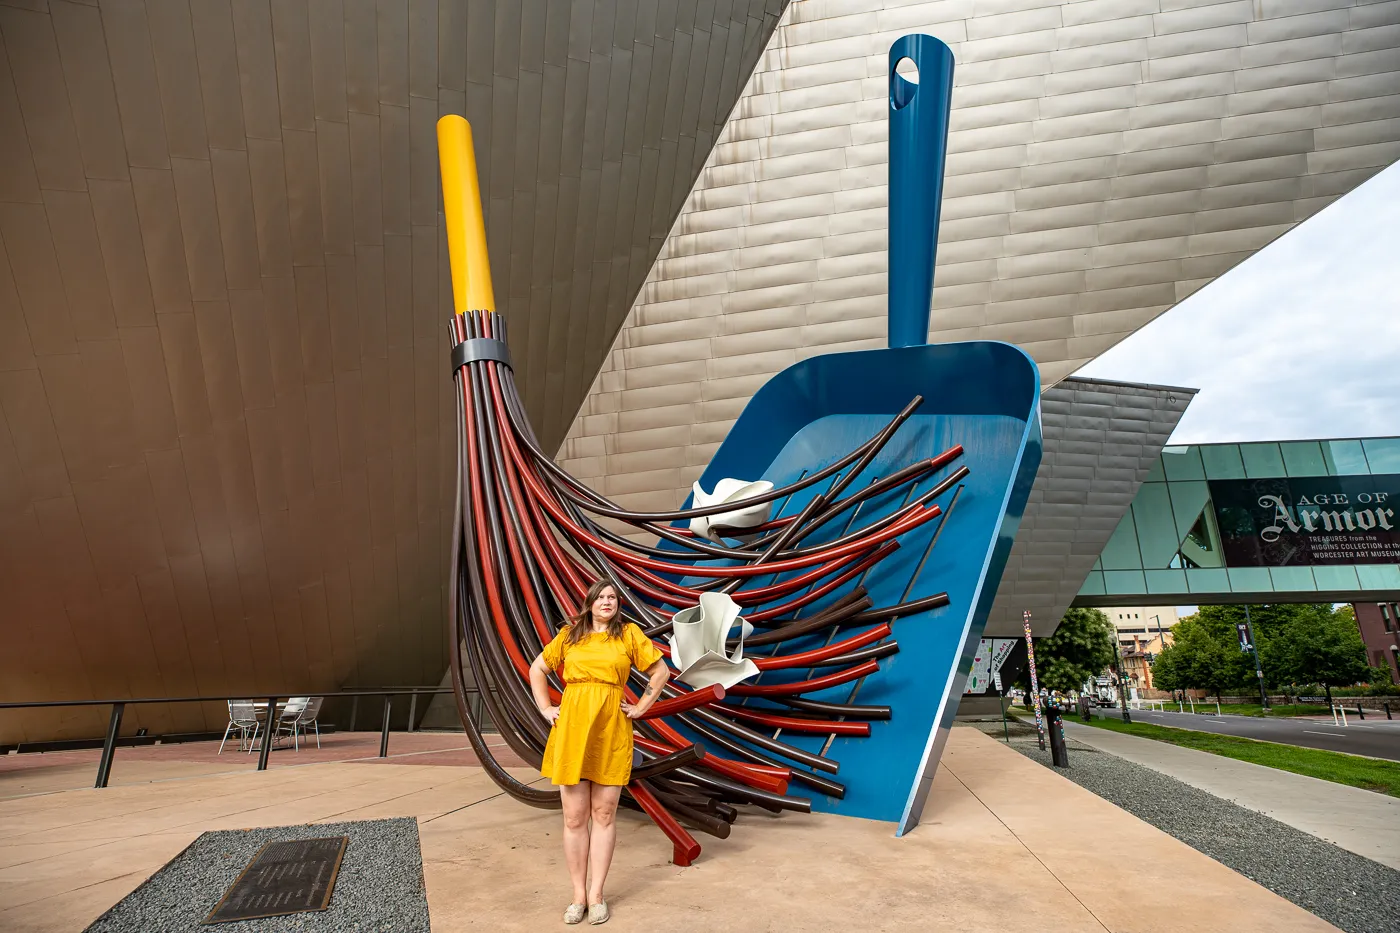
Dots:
pixel 825 556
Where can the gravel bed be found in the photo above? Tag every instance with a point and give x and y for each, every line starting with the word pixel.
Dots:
pixel 1347 890
pixel 379 888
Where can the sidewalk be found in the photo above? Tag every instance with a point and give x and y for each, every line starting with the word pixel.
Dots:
pixel 1357 820
pixel 1005 844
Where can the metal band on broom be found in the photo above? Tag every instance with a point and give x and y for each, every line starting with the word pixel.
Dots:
pixel 1035 686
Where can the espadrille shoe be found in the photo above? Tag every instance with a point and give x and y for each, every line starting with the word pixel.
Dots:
pixel 598 913
pixel 574 913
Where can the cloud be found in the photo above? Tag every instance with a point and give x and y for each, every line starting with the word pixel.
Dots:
pixel 1300 341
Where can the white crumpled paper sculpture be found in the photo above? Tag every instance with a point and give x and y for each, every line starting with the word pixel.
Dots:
pixel 698 635
pixel 729 490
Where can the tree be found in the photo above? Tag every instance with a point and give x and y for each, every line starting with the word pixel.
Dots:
pixel 1270 623
pixel 1166 670
pixel 1081 648
pixel 1378 677
pixel 1200 658
pixel 1322 648
pixel 1298 643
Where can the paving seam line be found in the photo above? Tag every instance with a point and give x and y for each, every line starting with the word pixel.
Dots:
pixel 80 887
pixel 148 810
pixel 1028 849
pixel 381 803
pixel 475 802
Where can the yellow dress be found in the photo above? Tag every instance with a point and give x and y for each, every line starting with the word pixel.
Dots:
pixel 592 738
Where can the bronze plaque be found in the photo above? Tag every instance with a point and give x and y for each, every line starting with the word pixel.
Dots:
pixel 286 877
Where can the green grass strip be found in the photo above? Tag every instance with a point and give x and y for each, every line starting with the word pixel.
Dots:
pixel 1368 773
pixel 1281 711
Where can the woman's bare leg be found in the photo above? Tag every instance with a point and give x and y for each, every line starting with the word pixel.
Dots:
pixel 602 839
pixel 577 803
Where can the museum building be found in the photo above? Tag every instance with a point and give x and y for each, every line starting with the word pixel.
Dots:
pixel 227 463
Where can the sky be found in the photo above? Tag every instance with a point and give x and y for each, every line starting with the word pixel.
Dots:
pixel 1300 341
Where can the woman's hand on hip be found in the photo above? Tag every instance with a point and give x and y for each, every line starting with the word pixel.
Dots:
pixel 634 710
pixel 550 714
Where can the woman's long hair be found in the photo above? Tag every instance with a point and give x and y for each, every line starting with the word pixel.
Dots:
pixel 581 623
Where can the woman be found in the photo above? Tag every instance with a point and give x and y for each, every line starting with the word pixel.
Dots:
pixel 589 753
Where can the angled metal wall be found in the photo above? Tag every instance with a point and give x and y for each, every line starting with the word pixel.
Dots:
pixel 226 447
pixel 1107 158
pixel 1101 441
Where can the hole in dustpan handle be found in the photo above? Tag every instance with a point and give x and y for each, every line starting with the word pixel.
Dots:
pixel 904 83
pixel 921 99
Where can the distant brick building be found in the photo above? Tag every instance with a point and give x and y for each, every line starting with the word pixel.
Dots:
pixel 1143 631
pixel 1138 657
pixel 1380 630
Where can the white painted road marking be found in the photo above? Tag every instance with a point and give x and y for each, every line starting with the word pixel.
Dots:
pixel 1340 735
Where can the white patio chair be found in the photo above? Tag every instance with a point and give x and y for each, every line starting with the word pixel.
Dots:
pixel 243 716
pixel 308 718
pixel 287 719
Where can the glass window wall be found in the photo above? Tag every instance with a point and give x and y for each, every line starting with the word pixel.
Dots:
pixel 1170 542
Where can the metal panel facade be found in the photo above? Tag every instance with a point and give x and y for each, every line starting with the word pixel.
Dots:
pixel 1107 158
pixel 226 443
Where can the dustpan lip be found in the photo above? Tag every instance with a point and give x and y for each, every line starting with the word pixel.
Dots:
pixel 795 396
pixel 939 354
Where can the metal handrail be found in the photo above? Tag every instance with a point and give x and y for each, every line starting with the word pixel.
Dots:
pixel 400 691
pixel 109 743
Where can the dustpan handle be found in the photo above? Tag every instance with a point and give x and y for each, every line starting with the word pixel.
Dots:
pixel 918 148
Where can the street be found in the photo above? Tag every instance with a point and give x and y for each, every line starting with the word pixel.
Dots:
pixel 1376 737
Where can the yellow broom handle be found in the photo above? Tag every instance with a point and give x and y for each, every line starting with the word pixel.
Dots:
pixel 466 227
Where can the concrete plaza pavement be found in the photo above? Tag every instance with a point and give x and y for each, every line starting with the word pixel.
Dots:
pixel 1357 820
pixel 1005 844
pixel 1374 737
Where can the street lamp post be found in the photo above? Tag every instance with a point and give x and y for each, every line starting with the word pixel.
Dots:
pixel 1162 641
pixel 1254 650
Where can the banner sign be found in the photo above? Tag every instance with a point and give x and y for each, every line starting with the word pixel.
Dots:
pixel 1001 650
pixel 1306 521
pixel 987 663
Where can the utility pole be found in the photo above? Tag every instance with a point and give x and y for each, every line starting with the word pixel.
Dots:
pixel 1122 679
pixel 1161 637
pixel 1248 639
pixel 1162 642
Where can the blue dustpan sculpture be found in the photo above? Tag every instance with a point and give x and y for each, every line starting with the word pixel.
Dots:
pixel 984 395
